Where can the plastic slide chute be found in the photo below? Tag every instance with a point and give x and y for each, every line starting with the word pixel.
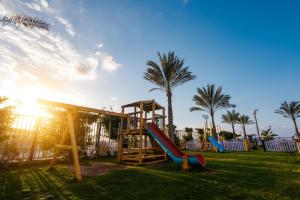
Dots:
pixel 214 142
pixel 172 150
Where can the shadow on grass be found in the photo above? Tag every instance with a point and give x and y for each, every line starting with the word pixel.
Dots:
pixel 229 176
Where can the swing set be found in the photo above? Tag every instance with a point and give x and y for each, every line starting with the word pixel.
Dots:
pixel 69 132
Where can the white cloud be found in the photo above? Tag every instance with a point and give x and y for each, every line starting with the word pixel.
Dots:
pixel 44 3
pixel 68 26
pixel 39 5
pixel 45 61
pixel 100 45
pixel 114 98
pixel 107 62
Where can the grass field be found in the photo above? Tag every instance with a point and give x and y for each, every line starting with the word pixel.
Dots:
pixel 253 175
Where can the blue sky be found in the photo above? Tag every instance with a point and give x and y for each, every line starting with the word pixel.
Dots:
pixel 99 50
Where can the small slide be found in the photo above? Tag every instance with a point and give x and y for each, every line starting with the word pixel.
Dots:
pixel 172 150
pixel 216 144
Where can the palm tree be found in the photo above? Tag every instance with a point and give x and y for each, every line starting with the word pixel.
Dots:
pixel 168 74
pixel 210 100
pixel 268 134
pixel 231 117
pixel 245 120
pixel 290 110
pixel 24 21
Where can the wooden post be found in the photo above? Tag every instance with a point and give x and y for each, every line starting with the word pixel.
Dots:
pixel 57 151
pixel 153 112
pixel 120 141
pixel 185 163
pixel 246 145
pixel 74 146
pixel 141 134
pixel 134 116
pixel 164 119
pixel 145 136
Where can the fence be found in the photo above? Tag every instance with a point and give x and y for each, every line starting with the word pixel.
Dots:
pixel 33 137
pixel 281 145
pixel 234 145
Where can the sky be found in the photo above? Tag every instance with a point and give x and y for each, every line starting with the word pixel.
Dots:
pixel 96 52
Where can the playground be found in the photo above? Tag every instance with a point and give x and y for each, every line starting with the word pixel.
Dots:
pixel 100 154
pixel 250 175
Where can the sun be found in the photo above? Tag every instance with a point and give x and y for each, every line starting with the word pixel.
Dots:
pixel 29 106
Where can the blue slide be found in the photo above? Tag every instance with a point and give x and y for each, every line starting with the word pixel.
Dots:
pixel 216 144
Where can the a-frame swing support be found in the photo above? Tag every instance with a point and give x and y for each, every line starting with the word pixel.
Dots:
pixel 71 110
pixel 71 130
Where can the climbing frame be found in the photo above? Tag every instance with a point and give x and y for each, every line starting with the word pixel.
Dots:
pixel 135 144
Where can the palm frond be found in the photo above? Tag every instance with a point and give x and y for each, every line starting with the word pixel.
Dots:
pixel 289 110
pixel 211 99
pixel 195 109
pixel 154 89
pixel 231 117
pixel 169 73
pixel 245 120
pixel 24 21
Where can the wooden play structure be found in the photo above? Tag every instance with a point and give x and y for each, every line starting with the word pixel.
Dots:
pixel 232 145
pixel 139 134
pixel 207 132
pixel 135 145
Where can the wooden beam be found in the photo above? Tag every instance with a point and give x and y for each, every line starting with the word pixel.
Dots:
pixel 80 108
pixel 68 147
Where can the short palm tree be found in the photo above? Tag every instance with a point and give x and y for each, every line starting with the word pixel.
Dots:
pixel 245 120
pixel 290 110
pixel 231 117
pixel 169 73
pixel 211 99
pixel 268 134
pixel 24 21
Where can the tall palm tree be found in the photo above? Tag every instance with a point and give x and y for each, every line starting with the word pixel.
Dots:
pixel 19 20
pixel 245 120
pixel 290 110
pixel 231 117
pixel 211 99
pixel 169 73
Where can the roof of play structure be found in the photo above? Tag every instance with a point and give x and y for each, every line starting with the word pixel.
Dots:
pixel 147 105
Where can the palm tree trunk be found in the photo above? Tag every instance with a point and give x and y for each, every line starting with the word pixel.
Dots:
pixel 296 127
pixel 213 123
pixel 170 117
pixel 233 130
pixel 245 134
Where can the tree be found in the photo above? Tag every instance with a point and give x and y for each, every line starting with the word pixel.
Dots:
pixel 231 117
pixel 189 135
pixel 268 134
pixel 6 119
pixel 227 135
pixel 211 99
pixel 167 75
pixel 245 120
pixel 24 21
pixel 290 110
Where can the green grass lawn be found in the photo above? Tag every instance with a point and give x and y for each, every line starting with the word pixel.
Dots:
pixel 253 175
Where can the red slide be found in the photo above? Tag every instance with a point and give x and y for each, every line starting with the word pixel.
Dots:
pixel 172 150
